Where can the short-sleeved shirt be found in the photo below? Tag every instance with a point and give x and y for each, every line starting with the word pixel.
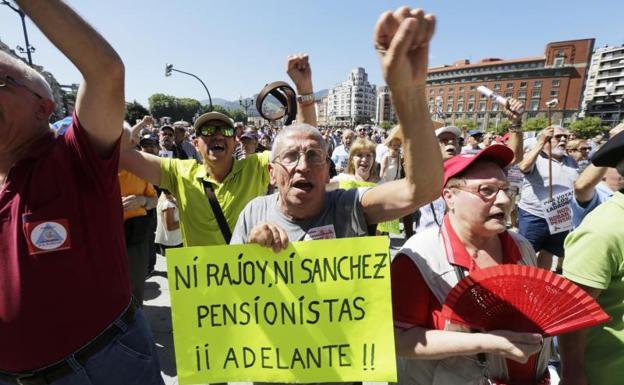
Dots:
pixel 63 268
pixel 535 186
pixel 342 216
pixel 340 157
pixel 131 184
pixel 602 192
pixel 595 258
pixel 248 179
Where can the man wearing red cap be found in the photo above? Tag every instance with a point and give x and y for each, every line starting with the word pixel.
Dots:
pixel 472 236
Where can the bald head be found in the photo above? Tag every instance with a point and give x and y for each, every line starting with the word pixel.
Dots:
pixel 25 75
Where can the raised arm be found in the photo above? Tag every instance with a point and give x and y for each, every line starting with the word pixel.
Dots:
pixel 585 185
pixel 515 141
pixel 298 68
pixel 100 100
pixel 531 156
pixel 402 39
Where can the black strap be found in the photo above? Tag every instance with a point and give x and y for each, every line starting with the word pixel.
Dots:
pixel 435 217
pixel 459 271
pixel 218 213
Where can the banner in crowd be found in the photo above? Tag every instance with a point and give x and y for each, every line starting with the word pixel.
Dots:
pixel 558 212
pixel 319 311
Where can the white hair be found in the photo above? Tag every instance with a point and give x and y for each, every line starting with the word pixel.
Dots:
pixel 293 129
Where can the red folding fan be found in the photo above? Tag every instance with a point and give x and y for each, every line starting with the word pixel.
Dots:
pixel 522 299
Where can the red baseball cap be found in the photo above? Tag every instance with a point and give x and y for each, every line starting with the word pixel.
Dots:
pixel 499 154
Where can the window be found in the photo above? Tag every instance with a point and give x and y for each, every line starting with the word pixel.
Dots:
pixel 558 62
pixel 449 107
pixel 522 95
pixel 554 93
pixel 471 98
pixel 460 107
pixel 510 86
pixel 523 84
pixel 537 84
pixel 556 83
pixel 482 106
pixel 534 105
pixel 536 93
pixel 497 87
pixel 451 90
pixel 494 106
pixel 472 88
pixel 470 107
pixel 461 89
pixel 509 94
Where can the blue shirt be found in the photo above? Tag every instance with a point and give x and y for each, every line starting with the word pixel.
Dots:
pixel 602 192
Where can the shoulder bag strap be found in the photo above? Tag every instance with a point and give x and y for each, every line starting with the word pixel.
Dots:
pixel 218 213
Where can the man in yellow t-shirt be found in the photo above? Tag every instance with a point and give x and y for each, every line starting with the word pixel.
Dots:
pixel 235 182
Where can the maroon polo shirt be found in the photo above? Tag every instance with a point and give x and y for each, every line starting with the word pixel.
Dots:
pixel 63 270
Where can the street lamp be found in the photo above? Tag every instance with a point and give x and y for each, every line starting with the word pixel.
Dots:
pixel 619 102
pixel 169 68
pixel 29 48
pixel 245 103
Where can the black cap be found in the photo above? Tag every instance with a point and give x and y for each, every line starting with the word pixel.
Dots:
pixel 147 138
pixel 611 153
pixel 166 127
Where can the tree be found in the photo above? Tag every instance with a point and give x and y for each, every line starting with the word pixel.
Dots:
pixel 503 125
pixel 217 108
pixel 238 115
pixel 386 125
pixel 469 123
pixel 535 124
pixel 134 112
pixel 163 105
pixel 588 127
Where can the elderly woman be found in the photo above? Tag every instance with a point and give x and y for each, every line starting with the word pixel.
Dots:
pixel 361 170
pixel 472 236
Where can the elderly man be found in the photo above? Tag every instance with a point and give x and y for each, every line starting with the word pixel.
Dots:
pixel 340 156
pixel 65 305
pixel 535 192
pixel 182 142
pixel 472 236
pixel 211 195
pixel 302 209
pixel 594 260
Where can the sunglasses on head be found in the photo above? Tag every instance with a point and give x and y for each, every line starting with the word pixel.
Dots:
pixel 228 132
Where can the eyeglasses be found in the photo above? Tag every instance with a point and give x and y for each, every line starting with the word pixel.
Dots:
pixel 559 136
pixel 8 80
pixel 487 191
pixel 228 132
pixel 290 158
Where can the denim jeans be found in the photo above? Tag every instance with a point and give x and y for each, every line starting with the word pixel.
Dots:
pixel 131 358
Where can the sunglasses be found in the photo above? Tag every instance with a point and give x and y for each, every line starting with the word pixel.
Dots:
pixel 559 136
pixel 8 80
pixel 228 132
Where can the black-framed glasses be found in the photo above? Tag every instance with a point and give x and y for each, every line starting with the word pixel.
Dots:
pixel 228 132
pixel 8 80
pixel 290 158
pixel 487 191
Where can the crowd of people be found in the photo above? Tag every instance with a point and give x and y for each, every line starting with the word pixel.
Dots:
pixel 83 214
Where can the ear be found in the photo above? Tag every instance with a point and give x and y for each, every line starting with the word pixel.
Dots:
pixel 272 178
pixel 448 197
pixel 45 107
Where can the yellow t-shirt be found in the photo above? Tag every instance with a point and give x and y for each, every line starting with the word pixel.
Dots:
pixel 248 179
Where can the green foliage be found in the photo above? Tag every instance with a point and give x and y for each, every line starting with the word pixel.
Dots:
pixel 217 108
pixel 135 111
pixel 588 127
pixel 176 108
pixel 535 124
pixel 238 115
pixel 469 123
pixel 503 125
pixel 386 125
pixel 361 120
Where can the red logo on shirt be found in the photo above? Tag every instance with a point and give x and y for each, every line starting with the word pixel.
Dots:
pixel 47 236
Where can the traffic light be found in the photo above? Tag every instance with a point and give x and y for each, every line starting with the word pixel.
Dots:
pixel 168 69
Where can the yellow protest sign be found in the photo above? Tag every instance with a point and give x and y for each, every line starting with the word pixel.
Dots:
pixel 319 311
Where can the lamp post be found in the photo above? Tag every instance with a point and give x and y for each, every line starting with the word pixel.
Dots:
pixel 29 48
pixel 619 102
pixel 245 103
pixel 169 68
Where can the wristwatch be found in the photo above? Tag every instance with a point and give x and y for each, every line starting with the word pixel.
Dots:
pixel 305 99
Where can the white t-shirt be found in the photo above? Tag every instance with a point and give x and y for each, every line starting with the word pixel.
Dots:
pixel 164 236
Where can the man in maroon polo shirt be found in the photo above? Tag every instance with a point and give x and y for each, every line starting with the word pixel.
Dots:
pixel 64 289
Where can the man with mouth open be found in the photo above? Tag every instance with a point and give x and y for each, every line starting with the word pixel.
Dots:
pixel 302 209
pixel 535 190
pixel 234 182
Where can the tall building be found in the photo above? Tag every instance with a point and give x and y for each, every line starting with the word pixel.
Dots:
pixel 600 98
pixel 560 73
pixel 384 110
pixel 352 101
pixel 321 111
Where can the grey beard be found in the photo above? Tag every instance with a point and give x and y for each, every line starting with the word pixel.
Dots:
pixel 558 151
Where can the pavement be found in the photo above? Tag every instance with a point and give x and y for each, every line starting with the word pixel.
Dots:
pixel 157 308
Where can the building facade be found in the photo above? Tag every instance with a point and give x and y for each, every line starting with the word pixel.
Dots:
pixel 605 85
pixel 321 111
pixel 353 101
pixel 384 110
pixel 558 74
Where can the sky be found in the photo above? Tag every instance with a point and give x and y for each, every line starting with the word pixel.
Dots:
pixel 238 46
